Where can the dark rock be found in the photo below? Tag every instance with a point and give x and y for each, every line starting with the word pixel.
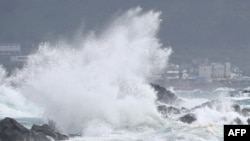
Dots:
pixel 188 118
pixel 163 95
pixel 248 121
pixel 75 135
pixel 47 130
pixel 52 125
pixel 168 110
pixel 210 104
pixel 238 121
pixel 173 110
pixel 246 91
pixel 11 130
pixel 44 129
pixel 38 137
pixel 184 110
pixel 245 111
pixel 162 109
pixel 236 108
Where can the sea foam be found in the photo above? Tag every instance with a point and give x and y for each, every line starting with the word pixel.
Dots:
pixel 101 79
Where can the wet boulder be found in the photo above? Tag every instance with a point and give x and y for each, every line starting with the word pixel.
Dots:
pixel 238 121
pixel 38 137
pixel 162 109
pixel 11 130
pixel 188 118
pixel 213 104
pixel 248 121
pixel 246 92
pixel 203 105
pixel 48 131
pixel 168 110
pixel 245 112
pixel 164 95
pixel 184 110
pixel 173 110
pixel 74 135
pixel 236 108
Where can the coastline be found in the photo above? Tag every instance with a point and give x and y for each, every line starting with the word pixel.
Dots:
pixel 192 85
pixel 13 130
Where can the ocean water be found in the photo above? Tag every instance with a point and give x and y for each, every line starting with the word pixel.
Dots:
pixel 208 127
pixel 99 86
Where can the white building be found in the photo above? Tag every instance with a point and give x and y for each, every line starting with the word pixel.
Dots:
pixel 172 72
pixel 10 49
pixel 228 69
pixel 205 72
pixel 221 71
pixel 215 71
pixel 218 70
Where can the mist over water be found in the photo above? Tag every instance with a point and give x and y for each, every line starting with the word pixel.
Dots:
pixel 100 83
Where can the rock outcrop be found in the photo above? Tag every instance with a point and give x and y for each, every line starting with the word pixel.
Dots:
pixel 166 111
pixel 213 104
pixel 11 130
pixel 168 100
pixel 48 131
pixel 248 121
pixel 237 121
pixel 188 118
pixel 163 95
pixel 236 108
pixel 245 112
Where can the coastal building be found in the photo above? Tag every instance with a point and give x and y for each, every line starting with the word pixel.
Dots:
pixel 218 70
pixel 215 71
pixel 228 69
pixel 18 58
pixel 221 71
pixel 10 49
pixel 205 72
pixel 172 72
pixel 11 56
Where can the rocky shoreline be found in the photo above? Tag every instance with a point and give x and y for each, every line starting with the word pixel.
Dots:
pixel 11 130
pixel 166 101
pixel 191 85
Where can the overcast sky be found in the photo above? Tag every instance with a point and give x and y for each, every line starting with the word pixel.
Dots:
pixel 187 24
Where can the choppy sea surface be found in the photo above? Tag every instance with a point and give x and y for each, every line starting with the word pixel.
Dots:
pixel 208 127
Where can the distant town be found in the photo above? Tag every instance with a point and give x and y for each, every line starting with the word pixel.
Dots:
pixel 13 55
pixel 201 73
pixel 198 73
